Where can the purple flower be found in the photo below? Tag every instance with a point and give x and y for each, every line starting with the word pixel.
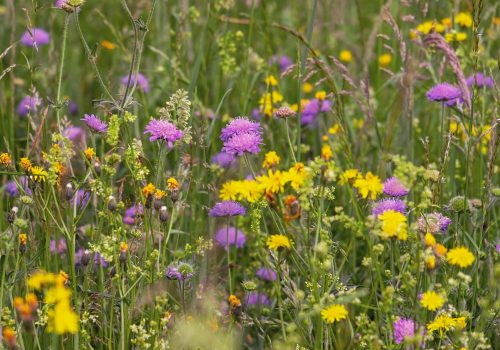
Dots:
pixel 36 37
pixel 181 272
pixel 312 109
pixel 266 274
pixel 256 114
pixel 257 299
pixel 163 130
pixel 132 214
pixel 388 204
pixel 73 107
pixel 82 197
pixel 393 187
pixel 240 125
pixel 230 236
pixel 142 81
pixel 95 124
pixel 61 247
pixel 497 248
pixel 444 92
pixel 433 223
pixel 83 257
pixel 243 143
pixel 28 105
pixel 404 327
pixel 480 80
pixel 227 208
pixel 11 189
pixel 223 159
pixel 74 133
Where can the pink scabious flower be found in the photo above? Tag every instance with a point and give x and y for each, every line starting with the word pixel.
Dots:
pixel 240 125
pixel 28 105
pixel 312 109
pixel 480 80
pixel 444 92
pixel 403 328
pixel 243 143
pixel 226 209
pixel 394 188
pixel 433 223
pixel 388 204
pixel 163 130
pixel 230 236
pixel 256 299
pixel 266 274
pixel 223 159
pixel 95 124
pixel 142 81
pixel 35 37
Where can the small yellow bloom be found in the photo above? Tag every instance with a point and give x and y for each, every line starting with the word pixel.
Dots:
pixel 38 173
pixel 23 238
pixel 296 176
pixel 62 319
pixel 334 313
pixel 460 256
pixel 277 242
pixel 172 184
pixel 229 191
pixel 326 152
pixel 345 56
pixel 159 194
pixel 334 129
pixel 348 176
pixel 234 301
pixel 108 45
pixel 464 19
pixel 273 182
pixel 271 159
pixel 444 323
pixel 307 87
pixel 123 247
pixel 429 240
pixel 358 123
pixel 432 300
pixel 394 224
pixel 430 262
pixel 25 164
pixel 5 159
pixel 447 22
pixel 320 95
pixel 440 249
pixel 385 59
pixel 89 153
pixel 271 80
pixel 148 190
pixel 369 185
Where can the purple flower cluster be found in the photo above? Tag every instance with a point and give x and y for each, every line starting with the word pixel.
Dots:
pixel 257 299
pixel 480 81
pixel 433 223
pixel 283 62
pixel 180 272
pixel 74 133
pixel 132 214
pixel 403 328
pixel 241 135
pixel 163 130
pixel 82 197
pixel 388 204
pixel 266 274
pixel 223 159
pixel 226 209
pixel 12 190
pixel 313 109
pixel 444 92
pixel 394 188
pixel 227 236
pixel 28 105
pixel 83 257
pixel 35 37
pixel 61 246
pixel 142 81
pixel 95 124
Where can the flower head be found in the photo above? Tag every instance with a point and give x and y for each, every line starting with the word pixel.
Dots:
pixel 444 322
pixel 82 197
pixel 460 256
pixel 163 130
pixel 334 313
pixel 142 81
pixel 28 105
pixel 240 125
pixel 230 236
pixel 394 224
pixel 223 159
pixel 35 37
pixel 243 143
pixel 95 124
pixel 271 159
pixel 389 204
pixel 480 80
pixel 257 299
pixel 403 328
pixel 38 174
pixel 369 185
pixel 5 159
pixel 266 274
pixel 277 242
pixel 434 223
pixel 444 92
pixel 432 300
pixel 227 208
pixel 393 187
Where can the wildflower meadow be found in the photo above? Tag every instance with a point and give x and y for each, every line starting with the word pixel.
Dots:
pixel 249 174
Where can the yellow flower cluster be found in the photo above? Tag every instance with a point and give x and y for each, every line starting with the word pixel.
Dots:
pixel 269 101
pixel 394 224
pixel 445 27
pixel 5 159
pixel 370 185
pixel 444 323
pixel 271 159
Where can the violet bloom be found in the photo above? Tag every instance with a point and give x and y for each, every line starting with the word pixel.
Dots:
pixel 480 81
pixel 28 105
pixel 82 257
pixel 82 197
pixel 180 272
pixel 240 125
pixel 132 214
pixel 497 248
pixel 61 246
pixel 142 81
pixel 257 299
pixel 74 133
pixel 403 328
pixel 444 92
pixel 393 187
pixel 227 209
pixel 227 236
pixel 95 124
pixel 388 204
pixel 433 223
pixel 312 109
pixel 163 130
pixel 266 274
pixel 243 143
pixel 73 107
pixel 256 114
pixel 223 159
pixel 11 189
pixel 35 37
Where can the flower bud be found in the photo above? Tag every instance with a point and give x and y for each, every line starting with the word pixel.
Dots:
pixel 163 214
pixel 97 167
pixel 70 191
pixel 86 258
pixel 11 216
pixel 111 203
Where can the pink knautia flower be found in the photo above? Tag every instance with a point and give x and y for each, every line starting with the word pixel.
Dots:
pixel 163 130
pixel 35 37
pixel 433 223
pixel 388 204
pixel 61 246
pixel 497 248
pixel 226 209
pixel 444 92
pixel 240 125
pixel 312 109
pixel 230 236
pixel 95 124
pixel 142 81
pixel 480 80
pixel 223 159
pixel 257 299
pixel 266 274
pixel 403 328
pixel 240 144
pixel 28 105
pixel 394 188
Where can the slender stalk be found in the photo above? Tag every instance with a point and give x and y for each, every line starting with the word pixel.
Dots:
pixel 61 70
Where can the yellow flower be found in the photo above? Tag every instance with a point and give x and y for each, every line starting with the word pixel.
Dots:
pixel 307 87
pixel 428 26
pixel 393 225
pixel 432 300
pixel 271 159
pixel 320 95
pixel 250 191
pixel 41 279
pixel 23 238
pixel 172 184
pixel 349 175
pixel 334 313
pixel 345 56
pixel 5 159
pixel 268 102
pixel 464 19
pixel 62 319
pixel 369 185
pixel 108 45
pixel 385 59
pixel 38 173
pixel 271 80
pixel 234 301
pixel 89 153
pixel 148 190
pixel 446 22
pixel 25 164
pixel 334 129
pixel 443 323
pixel 273 182
pixel 455 36
pixel 358 123
pixel 326 152
pixel 159 194
pixel 440 249
pixel 429 240
pixel 460 256
pixel 57 294
pixel 230 191
pixel 276 242
pixel 430 262
pixel 296 176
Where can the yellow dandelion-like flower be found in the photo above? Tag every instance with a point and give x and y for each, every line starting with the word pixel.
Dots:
pixel 172 184
pixel 440 249
pixel 276 242
pixel 271 159
pixel 385 59
pixel 5 159
pixel 335 129
pixel 25 164
pixel 89 153
pixel 38 174
pixel 369 185
pixel 393 225
pixel 430 262
pixel 273 182
pixel 320 95
pixel 432 300
pixel 230 191
pixel 345 56
pixel 148 190
pixel 271 80
pixel 444 323
pixel 296 176
pixel 62 319
pixel 447 22
pixel 348 176
pixel 249 190
pixel 460 256
pixel 429 240
pixel 463 19
pixel 307 87
pixel 159 194
pixel 326 152
pixel 334 313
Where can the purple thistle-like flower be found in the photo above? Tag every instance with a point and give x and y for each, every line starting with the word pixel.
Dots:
pixel 132 214
pixel 11 189
pixel 230 236
pixel 95 124
pixel 227 208
pixel 404 327
pixel 240 125
pixel 393 187
pixel 266 274
pixel 312 109
pixel 28 105
pixel 82 197
pixel 142 81
pixel 181 272
pixel 243 143
pixel 257 299
pixel 433 223
pixel 223 159
pixel 389 204
pixel 163 130
pixel 61 246
pixel 35 37
pixel 444 92
pixel 480 80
